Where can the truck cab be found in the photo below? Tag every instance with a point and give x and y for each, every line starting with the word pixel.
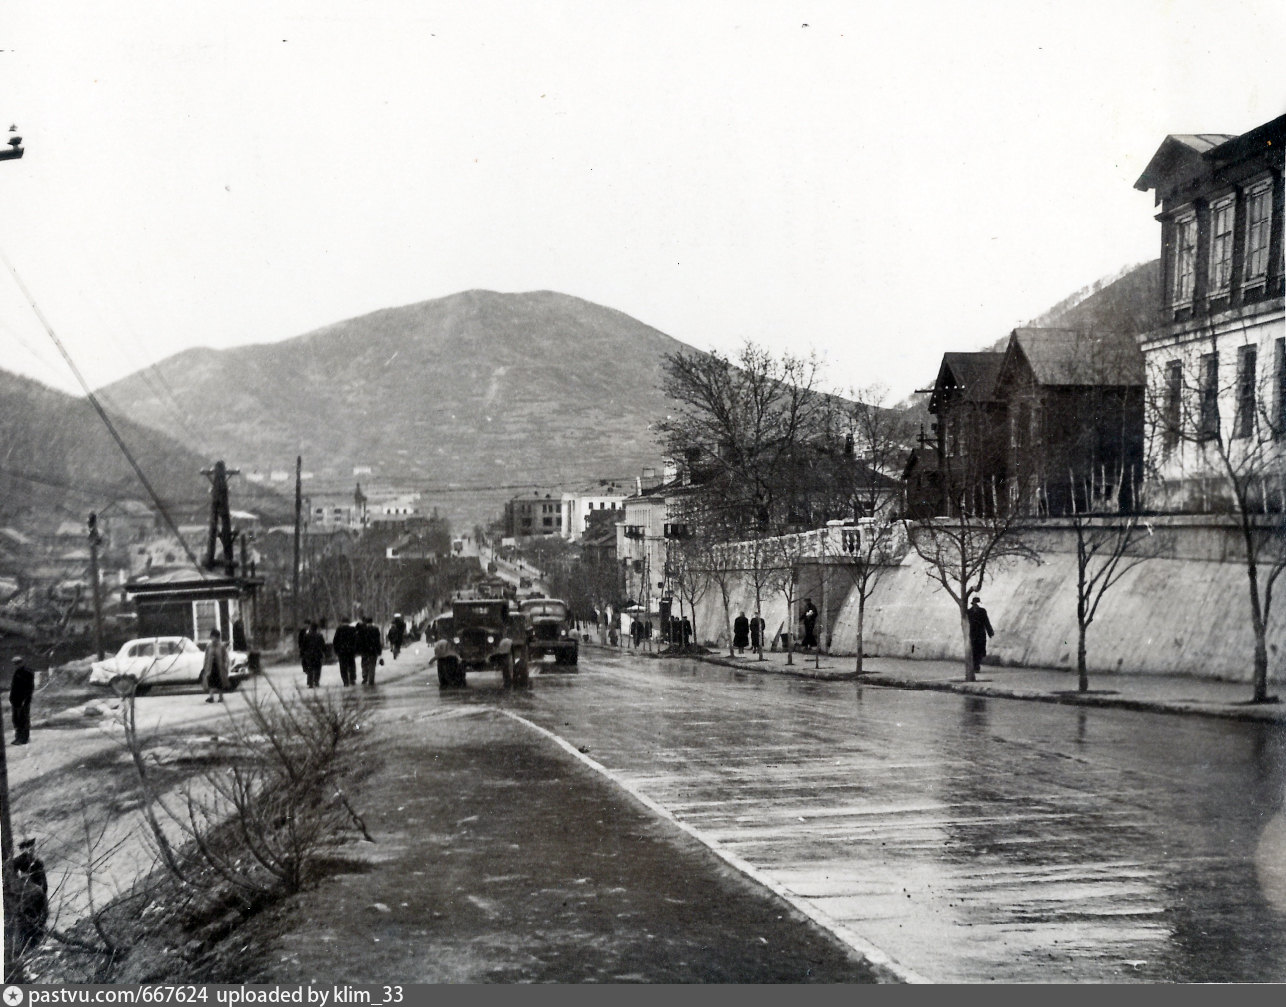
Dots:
pixel 553 632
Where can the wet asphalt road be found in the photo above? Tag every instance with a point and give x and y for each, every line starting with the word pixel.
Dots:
pixel 971 839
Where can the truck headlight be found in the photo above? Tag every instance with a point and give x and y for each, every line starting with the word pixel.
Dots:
pixel 455 640
pixel 490 638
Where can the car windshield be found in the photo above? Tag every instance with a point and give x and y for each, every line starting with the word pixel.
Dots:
pixel 545 608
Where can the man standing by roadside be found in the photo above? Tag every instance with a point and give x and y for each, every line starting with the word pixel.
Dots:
pixel 979 630
pixel 21 689
pixel 345 644
pixel 369 646
pixel 312 654
pixel 741 633
pixel 810 624
pixel 214 672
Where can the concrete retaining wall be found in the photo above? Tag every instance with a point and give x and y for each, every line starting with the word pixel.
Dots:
pixel 1167 615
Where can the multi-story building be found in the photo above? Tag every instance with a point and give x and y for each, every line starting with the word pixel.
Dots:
pixel 534 514
pixel 1216 363
pixel 580 505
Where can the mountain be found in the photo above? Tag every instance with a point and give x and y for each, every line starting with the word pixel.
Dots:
pixel 469 399
pixel 1125 301
pixel 58 462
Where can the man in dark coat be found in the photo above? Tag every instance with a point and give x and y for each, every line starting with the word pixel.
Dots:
pixel 21 689
pixel 810 624
pixel 741 633
pixel 396 634
pixel 345 644
pixel 757 640
pixel 979 630
pixel 312 654
pixel 29 897
pixel 370 645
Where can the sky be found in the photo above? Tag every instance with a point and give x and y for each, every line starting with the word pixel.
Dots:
pixel 876 183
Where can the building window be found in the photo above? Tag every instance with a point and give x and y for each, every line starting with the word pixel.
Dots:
pixel 1208 417
pixel 1259 216
pixel 1185 258
pixel 1245 425
pixel 1221 218
pixel 1173 403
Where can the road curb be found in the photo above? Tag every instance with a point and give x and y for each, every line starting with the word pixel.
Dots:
pixel 880 962
pixel 1260 714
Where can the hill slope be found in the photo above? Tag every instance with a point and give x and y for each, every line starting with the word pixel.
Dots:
pixel 479 389
pixel 58 462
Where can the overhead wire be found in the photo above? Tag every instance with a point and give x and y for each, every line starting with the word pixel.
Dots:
pixel 102 414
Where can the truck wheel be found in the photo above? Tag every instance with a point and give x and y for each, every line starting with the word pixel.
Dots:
pixel 507 670
pixel 572 658
pixel 449 676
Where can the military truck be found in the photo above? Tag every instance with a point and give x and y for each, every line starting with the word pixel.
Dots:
pixel 482 634
pixel 553 633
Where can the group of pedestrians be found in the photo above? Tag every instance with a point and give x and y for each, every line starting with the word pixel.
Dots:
pixel 354 643
pixel 747 632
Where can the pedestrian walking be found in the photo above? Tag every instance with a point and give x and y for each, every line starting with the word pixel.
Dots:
pixel 741 633
pixel 396 634
pixel 809 619
pixel 345 644
pixel 312 654
pixel 685 631
pixel 21 688
pixel 214 671
pixel 757 633
pixel 636 633
pixel 370 646
pixel 979 630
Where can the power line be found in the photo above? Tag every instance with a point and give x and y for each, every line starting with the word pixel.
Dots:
pixel 102 414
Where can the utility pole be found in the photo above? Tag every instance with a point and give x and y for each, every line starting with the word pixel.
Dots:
pixel 95 540
pixel 299 518
pixel 12 970
pixel 220 517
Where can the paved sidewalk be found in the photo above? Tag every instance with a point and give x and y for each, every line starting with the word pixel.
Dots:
pixel 1158 693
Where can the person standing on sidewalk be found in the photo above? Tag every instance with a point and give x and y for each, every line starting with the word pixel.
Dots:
pixel 345 644
pixel 741 633
pixel 214 671
pixel 312 654
pixel 979 630
pixel 810 624
pixel 21 689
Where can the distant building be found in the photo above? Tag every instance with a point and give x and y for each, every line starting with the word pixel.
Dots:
pixel 1216 365
pixel 580 505
pixel 534 514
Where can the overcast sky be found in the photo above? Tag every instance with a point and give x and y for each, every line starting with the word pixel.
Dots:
pixel 879 182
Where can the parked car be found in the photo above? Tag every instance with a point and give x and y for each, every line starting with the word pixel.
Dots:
pixel 158 660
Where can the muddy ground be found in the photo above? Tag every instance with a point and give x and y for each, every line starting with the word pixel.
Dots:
pixel 497 858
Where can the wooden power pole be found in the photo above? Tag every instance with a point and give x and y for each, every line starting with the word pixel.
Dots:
pixel 95 539
pixel 299 518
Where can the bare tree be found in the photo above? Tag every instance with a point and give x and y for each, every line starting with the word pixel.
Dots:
pixel 690 567
pixel 861 488
pixel 1221 418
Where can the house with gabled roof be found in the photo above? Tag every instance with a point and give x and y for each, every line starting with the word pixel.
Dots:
pixel 969 431
pixel 1074 418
